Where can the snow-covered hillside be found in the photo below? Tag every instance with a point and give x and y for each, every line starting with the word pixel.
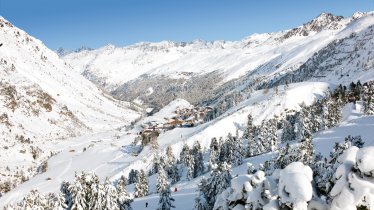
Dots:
pixel 110 153
pixel 43 100
pixel 49 111
pixel 189 68
pixel 116 151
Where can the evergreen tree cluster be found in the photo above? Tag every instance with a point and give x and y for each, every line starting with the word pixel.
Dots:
pixel 85 192
pixel 210 188
pixel 344 181
pixel 262 138
pixel 192 160
pixel 230 151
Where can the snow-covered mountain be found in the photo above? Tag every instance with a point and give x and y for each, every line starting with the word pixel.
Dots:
pixel 186 70
pixel 42 100
pixel 39 90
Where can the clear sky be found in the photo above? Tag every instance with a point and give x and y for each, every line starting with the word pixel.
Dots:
pixel 94 23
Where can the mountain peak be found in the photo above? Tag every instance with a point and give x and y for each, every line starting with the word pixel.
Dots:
pixel 324 21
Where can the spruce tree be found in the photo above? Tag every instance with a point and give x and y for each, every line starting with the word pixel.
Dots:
pixel 219 180
pixel 238 152
pixel 99 200
pixel 55 201
pixel 133 176
pixel 162 181
pixel 272 135
pixel 368 96
pixel 77 193
pixel 288 131
pixel 184 153
pixel 141 186
pixel 171 165
pixel 197 154
pixel 304 135
pixel 166 201
pixel 214 152
pixel 111 197
pixel 257 146
pixel 324 116
pixel 124 199
pixel 200 201
pixel 260 142
pixel 34 200
pixel 249 136
pixel 91 183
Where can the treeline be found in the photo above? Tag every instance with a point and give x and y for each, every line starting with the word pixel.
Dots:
pixel 297 127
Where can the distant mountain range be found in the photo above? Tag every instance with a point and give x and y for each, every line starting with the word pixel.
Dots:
pixel 199 71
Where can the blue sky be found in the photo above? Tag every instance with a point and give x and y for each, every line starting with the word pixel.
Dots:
pixel 94 23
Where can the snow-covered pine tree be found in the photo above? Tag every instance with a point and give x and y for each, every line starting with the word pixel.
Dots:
pixel 253 148
pixel 34 200
pixel 158 162
pixel 306 149
pixel 184 153
pixel 110 199
pixel 162 181
pixel 55 201
pixel 190 164
pixel 302 123
pixel 288 131
pixel 229 150
pixel 171 165
pixel 141 186
pixel 64 189
pixel 133 176
pixel 238 152
pixel 197 154
pixel 324 115
pixel 261 141
pixel 214 152
pixel 323 173
pixel 249 135
pixel 200 201
pixel 187 161
pixel 304 135
pixel 324 170
pixel 99 201
pixel 124 199
pixel 166 201
pixel 265 134
pixel 368 97
pixel 219 180
pixel 286 155
pixel 78 195
pixel 272 135
pixel 334 114
pixel 354 180
pixel 91 183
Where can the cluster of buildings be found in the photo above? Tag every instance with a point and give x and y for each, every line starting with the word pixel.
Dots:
pixel 183 118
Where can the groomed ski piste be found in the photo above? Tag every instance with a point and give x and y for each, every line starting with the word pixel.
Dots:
pixel 109 154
